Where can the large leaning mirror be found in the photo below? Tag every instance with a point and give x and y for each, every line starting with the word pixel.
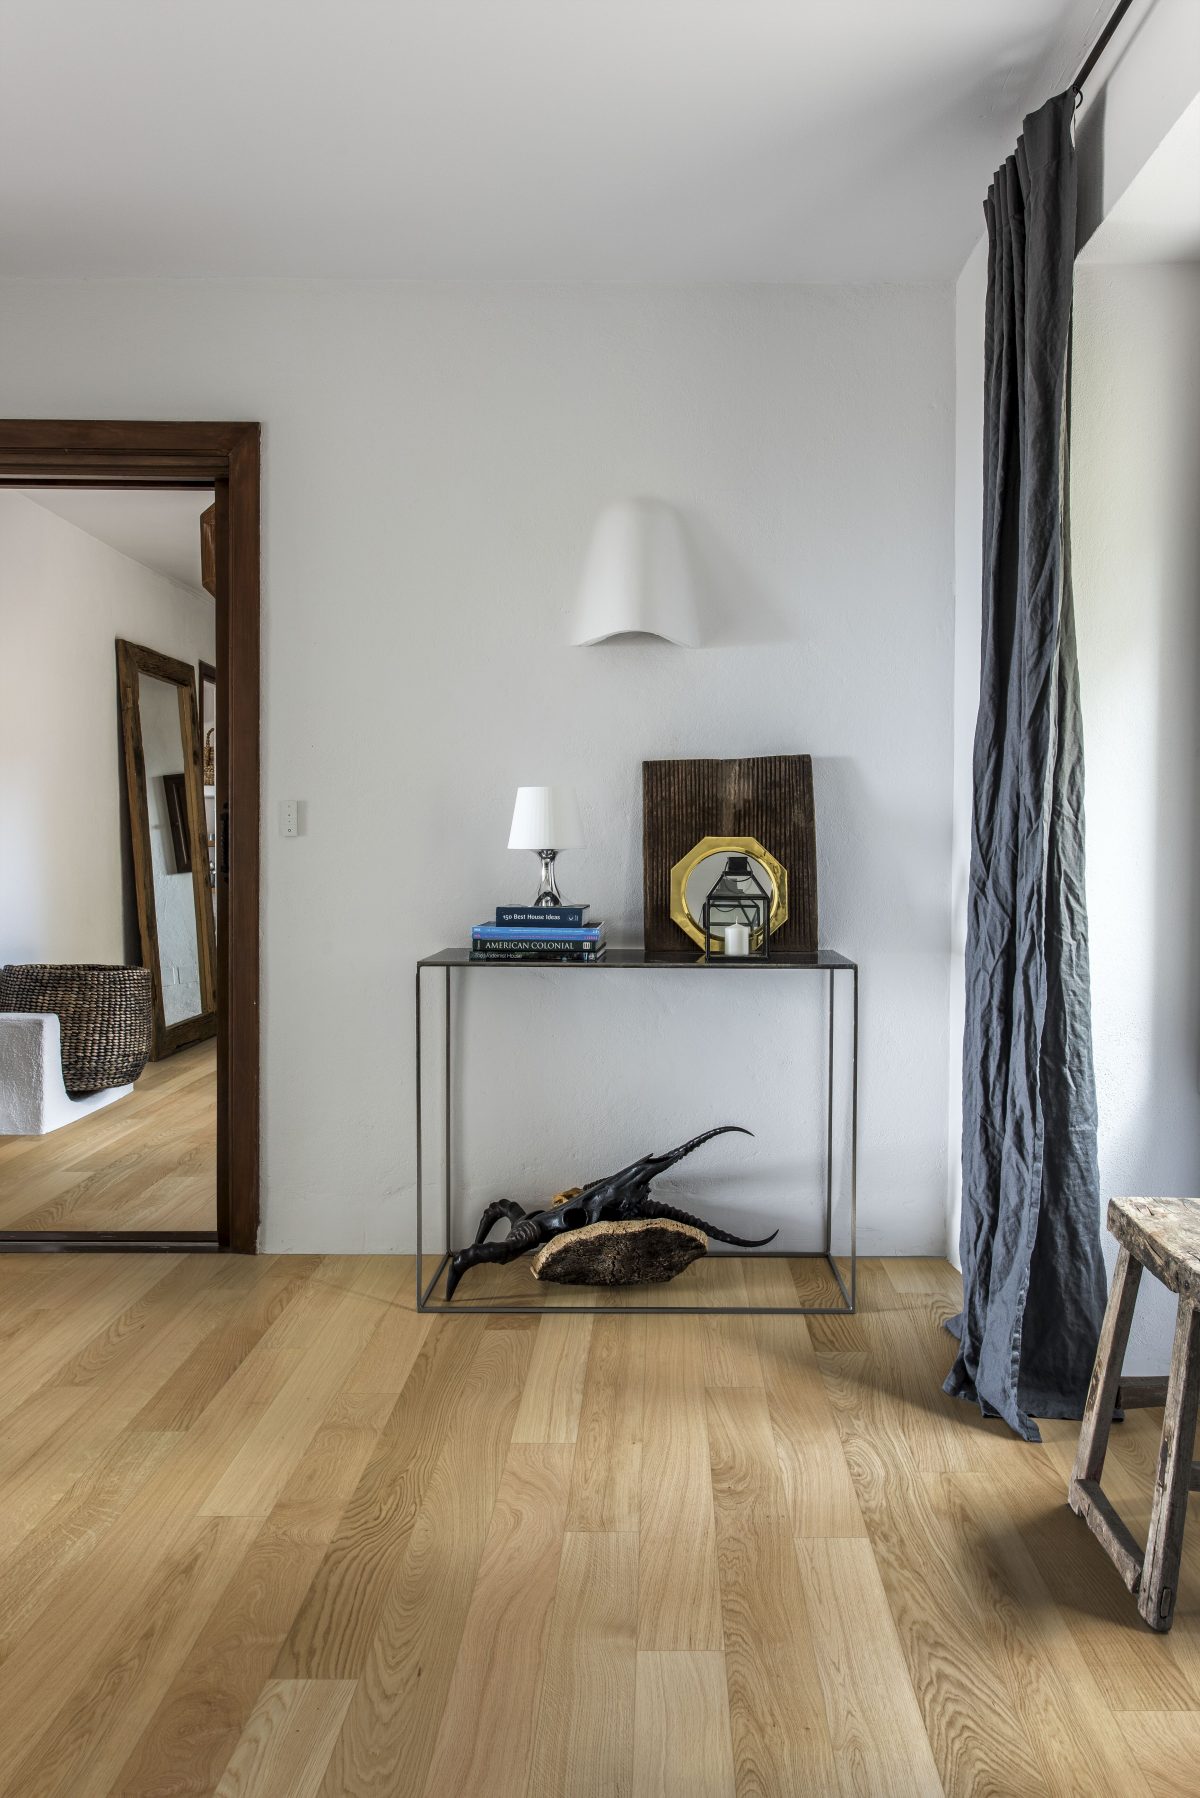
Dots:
pixel 161 735
pixel 208 768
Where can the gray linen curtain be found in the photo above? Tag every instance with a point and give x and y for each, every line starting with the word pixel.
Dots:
pixel 1033 1272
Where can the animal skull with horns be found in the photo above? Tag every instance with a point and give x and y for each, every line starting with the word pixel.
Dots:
pixel 618 1198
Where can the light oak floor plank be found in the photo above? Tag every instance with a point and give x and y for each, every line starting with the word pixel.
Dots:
pixel 272 1448
pixel 1132 1668
pixel 147 1162
pixel 285 1747
pixel 71 1529
pixel 978 1745
pixel 332 1635
pixel 553 1395
pixel 608 1449
pixel 682 1744
pixel 743 1559
pixel 583 1735
pixel 1165 1746
pixel 878 1736
pixel 42 1354
pixel 487 1724
pixel 1050 1686
pixel 200 1718
pixel 777 1716
pixel 730 1348
pixel 89 1738
pixel 679 1601
pixel 390 1729
pixel 816 1477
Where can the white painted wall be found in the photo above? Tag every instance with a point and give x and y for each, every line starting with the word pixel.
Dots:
pixel 1135 478
pixel 970 297
pixel 65 598
pixel 434 459
pixel 1143 83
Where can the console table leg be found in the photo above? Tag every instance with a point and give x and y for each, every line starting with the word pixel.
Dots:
pixel 854 1152
pixel 420 1147
pixel 448 1241
pixel 829 1129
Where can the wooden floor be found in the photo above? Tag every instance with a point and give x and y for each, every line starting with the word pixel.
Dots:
pixel 148 1162
pixel 265 1530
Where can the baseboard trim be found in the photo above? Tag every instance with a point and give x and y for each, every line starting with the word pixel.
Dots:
pixel 126 1242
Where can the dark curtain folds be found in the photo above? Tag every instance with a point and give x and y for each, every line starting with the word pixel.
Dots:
pixel 1033 1272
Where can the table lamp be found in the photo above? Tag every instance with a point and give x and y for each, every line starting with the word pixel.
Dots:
pixel 545 816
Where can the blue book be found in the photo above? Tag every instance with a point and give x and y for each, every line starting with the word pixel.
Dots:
pixel 569 917
pixel 525 936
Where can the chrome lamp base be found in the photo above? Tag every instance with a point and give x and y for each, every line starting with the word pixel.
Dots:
pixel 548 893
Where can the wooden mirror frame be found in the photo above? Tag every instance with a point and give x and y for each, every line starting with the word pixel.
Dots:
pixel 134 660
pixel 207 678
pixel 108 452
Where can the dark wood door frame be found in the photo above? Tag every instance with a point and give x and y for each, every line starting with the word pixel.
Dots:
pixel 117 453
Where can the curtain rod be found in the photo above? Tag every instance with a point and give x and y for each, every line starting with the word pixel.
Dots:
pixel 1101 45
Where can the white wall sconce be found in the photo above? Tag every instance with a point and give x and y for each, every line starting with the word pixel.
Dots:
pixel 639 577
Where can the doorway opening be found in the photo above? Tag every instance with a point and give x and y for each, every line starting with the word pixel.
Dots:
pixel 157 712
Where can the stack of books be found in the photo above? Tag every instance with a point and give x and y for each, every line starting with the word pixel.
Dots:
pixel 539 933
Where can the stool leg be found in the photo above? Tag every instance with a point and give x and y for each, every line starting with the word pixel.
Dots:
pixel 1106 1370
pixel 1160 1576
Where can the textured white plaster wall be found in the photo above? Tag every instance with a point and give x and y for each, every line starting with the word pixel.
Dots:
pixel 65 598
pixel 1135 478
pixel 970 297
pixel 1142 84
pixel 434 459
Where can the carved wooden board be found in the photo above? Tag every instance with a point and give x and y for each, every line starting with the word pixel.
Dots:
pixel 769 797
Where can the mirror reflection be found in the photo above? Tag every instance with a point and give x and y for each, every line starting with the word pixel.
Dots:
pixel 170 848
pixel 108 991
pixel 705 874
pixel 169 834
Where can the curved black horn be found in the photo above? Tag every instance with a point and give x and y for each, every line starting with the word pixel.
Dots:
pixel 651 1208
pixel 649 1167
pixel 687 1148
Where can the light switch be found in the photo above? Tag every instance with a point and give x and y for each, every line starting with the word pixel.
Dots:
pixel 289 817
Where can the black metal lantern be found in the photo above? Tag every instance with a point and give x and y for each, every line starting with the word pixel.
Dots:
pixel 737 900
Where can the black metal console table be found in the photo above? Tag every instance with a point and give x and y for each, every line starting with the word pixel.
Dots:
pixel 826 961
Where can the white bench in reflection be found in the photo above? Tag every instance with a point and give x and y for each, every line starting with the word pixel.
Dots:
pixel 33 1099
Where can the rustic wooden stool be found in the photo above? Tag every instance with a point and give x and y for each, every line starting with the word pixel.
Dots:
pixel 1163 1235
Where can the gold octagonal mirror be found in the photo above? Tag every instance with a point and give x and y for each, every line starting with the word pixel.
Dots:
pixel 693 876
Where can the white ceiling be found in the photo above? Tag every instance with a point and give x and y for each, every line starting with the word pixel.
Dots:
pixel 157 527
pixel 1157 218
pixel 672 140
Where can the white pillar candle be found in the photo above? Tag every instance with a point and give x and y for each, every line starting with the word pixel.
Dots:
pixel 737 939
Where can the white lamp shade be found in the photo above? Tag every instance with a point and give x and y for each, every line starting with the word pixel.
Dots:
pixel 545 818
pixel 638 577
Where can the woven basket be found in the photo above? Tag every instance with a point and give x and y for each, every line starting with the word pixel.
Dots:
pixel 105 1017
